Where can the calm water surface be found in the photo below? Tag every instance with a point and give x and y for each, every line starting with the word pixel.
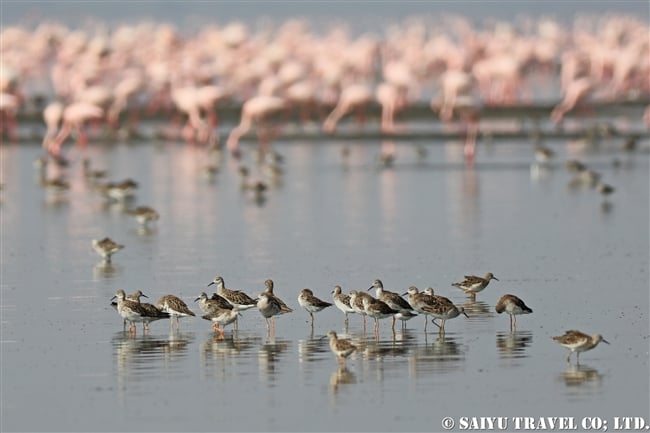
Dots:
pixel 578 263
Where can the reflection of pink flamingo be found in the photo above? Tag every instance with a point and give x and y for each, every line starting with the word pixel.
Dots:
pixel 353 97
pixel 470 118
pixel 258 108
pixel 75 116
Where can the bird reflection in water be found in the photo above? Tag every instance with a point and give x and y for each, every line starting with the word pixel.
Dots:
pixel 133 351
pixel 219 356
pixel 539 172
pixel 581 378
pixel 373 349
pixel 177 344
pixel 342 376
pixel 445 347
pixel 478 310
pixel 145 231
pixel 443 354
pixel 387 154
pixel 312 348
pixel 139 358
pixel 106 270
pixel 404 337
pixel 606 207
pixel 115 207
pixel 513 344
pixel 268 355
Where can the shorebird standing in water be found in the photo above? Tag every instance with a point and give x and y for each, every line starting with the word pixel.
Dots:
pixel 577 341
pixel 513 306
pixel 143 215
pixel 106 248
pixel 342 302
pixel 238 299
pixel 473 284
pixel 394 301
pixel 341 347
pixel 311 303
pixel 175 307
pixel 421 302
pixel 269 306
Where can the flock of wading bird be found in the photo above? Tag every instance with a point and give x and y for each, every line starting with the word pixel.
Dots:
pixel 225 306
pixel 116 76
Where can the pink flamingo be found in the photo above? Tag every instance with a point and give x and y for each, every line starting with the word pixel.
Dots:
pixel 186 100
pixel 456 86
pixel 392 98
pixel 577 91
pixel 256 109
pixel 52 115
pixel 8 123
pixel 124 91
pixel 208 97
pixel 457 97
pixel 303 94
pixel 354 97
pixel 75 117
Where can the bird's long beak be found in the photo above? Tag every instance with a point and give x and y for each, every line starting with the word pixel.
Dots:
pixel 370 288
pixel 114 297
pixel 604 341
pixel 145 296
pixel 405 293
pixel 495 278
pixel 211 284
pixel 197 299
pixel 465 314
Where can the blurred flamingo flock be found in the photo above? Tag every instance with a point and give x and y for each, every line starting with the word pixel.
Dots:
pixel 117 77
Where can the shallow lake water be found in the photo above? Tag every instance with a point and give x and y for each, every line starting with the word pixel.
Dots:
pixel 578 262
